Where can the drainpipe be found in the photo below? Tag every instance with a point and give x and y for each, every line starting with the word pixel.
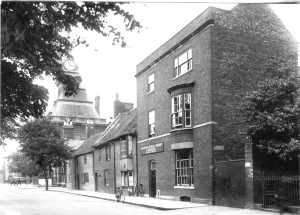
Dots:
pixel 115 179
pixel 136 157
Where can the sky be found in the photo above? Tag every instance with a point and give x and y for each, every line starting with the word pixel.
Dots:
pixel 107 69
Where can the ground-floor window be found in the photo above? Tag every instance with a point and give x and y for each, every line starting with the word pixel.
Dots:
pixel 127 178
pixel 85 177
pixel 184 168
pixel 106 177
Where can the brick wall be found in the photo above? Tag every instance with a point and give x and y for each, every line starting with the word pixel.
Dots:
pixel 243 42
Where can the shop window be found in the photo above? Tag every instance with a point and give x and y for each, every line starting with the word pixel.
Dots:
pixel 127 178
pixel 151 123
pixel 181 111
pixel 106 177
pixel 183 63
pixel 184 168
pixel 150 83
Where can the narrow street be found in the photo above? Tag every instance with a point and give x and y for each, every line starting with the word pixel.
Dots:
pixel 15 200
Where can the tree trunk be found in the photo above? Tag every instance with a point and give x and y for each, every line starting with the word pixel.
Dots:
pixel 46 178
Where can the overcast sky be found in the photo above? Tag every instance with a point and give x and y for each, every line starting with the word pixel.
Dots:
pixel 107 69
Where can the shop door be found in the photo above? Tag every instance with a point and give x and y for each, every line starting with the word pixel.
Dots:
pixel 152 178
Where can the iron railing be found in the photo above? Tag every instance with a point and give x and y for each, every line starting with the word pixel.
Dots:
pixel 271 191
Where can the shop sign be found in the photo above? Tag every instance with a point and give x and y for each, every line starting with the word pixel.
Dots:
pixel 153 148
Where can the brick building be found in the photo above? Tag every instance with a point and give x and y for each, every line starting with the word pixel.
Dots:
pixel 115 155
pixel 78 117
pixel 189 91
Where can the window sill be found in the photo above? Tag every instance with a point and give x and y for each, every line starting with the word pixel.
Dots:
pixel 148 93
pixel 182 74
pixel 181 129
pixel 127 157
pixel 184 187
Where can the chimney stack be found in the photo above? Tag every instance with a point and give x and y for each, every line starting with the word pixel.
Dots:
pixel 97 104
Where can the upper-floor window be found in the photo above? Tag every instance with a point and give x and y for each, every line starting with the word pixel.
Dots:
pixel 183 63
pixel 100 155
pixel 151 83
pixel 181 111
pixel 151 125
pixel 107 152
pixel 85 159
pixel 126 147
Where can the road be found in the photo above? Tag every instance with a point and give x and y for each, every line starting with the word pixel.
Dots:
pixel 32 201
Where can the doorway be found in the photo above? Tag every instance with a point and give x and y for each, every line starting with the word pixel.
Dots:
pixel 77 182
pixel 152 178
pixel 96 182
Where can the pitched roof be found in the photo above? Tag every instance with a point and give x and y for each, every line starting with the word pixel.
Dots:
pixel 124 124
pixel 87 146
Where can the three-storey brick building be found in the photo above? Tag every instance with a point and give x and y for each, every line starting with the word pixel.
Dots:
pixel 188 93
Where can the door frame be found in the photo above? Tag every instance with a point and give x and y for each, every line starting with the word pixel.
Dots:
pixel 96 181
pixel 150 180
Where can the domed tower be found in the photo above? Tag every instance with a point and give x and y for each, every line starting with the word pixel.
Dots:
pixel 78 116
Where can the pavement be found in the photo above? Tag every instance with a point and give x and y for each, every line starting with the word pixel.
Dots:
pixel 160 204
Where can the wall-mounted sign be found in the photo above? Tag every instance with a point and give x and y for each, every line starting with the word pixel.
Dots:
pixel 153 148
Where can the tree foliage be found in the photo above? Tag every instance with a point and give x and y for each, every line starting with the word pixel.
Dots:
pixel 21 164
pixel 41 141
pixel 272 112
pixel 34 40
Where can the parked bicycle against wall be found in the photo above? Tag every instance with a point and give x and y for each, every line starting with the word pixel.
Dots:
pixel 139 190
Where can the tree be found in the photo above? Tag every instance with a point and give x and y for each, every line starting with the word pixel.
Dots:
pixel 272 112
pixel 34 40
pixel 21 164
pixel 42 142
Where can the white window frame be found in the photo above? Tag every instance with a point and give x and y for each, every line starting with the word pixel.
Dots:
pixel 151 80
pixel 127 178
pixel 151 123
pixel 181 115
pixel 106 177
pixel 183 63
pixel 100 155
pixel 123 151
pixel 184 169
pixel 108 152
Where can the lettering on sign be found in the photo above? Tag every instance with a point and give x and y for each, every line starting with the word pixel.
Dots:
pixel 153 148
